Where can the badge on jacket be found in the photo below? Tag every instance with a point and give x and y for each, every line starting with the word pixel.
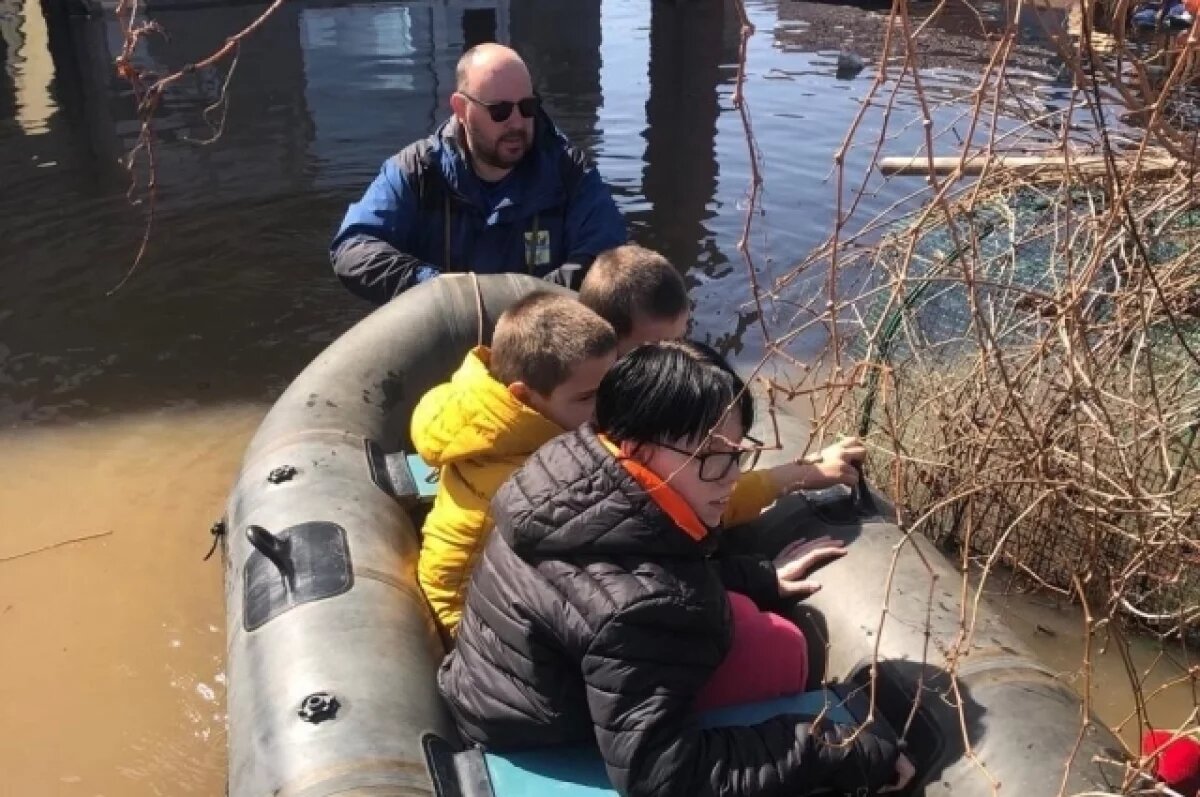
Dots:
pixel 537 248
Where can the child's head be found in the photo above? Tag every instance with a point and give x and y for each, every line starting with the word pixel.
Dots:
pixel 639 293
pixel 679 409
pixel 552 352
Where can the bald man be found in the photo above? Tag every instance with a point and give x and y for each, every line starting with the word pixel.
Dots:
pixel 497 188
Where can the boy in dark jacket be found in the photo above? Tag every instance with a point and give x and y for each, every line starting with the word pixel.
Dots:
pixel 598 613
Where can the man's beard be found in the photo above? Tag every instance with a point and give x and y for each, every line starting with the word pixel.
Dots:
pixel 491 156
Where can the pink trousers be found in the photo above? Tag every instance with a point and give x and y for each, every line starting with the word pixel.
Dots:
pixel 768 659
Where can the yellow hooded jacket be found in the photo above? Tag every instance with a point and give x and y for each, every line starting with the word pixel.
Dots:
pixel 477 433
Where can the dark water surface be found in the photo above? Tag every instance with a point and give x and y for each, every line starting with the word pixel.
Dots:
pixel 236 295
pixel 122 419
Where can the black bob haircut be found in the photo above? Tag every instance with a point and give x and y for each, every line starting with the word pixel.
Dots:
pixel 671 390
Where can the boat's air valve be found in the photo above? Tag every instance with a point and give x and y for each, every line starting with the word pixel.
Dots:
pixel 318 707
pixel 284 473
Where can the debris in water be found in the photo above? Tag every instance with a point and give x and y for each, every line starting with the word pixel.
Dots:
pixel 849 65
pixel 52 546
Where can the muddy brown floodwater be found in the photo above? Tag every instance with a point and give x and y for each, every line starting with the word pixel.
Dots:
pixel 114 645
pixel 1055 632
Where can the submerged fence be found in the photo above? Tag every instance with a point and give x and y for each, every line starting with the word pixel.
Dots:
pixel 1019 339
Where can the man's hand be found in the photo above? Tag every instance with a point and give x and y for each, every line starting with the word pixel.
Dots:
pixel 566 275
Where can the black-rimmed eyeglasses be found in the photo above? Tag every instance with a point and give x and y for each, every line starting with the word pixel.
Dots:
pixel 501 110
pixel 715 465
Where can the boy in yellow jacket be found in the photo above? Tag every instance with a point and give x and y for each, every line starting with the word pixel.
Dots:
pixel 538 380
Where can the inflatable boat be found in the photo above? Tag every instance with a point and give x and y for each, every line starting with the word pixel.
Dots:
pixel 332 650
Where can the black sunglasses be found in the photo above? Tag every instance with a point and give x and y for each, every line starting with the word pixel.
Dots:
pixel 500 111
pixel 716 464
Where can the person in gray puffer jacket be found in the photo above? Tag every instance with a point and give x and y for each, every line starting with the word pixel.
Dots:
pixel 599 609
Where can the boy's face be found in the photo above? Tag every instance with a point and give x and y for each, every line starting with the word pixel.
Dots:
pixel 651 330
pixel 573 403
pixel 677 466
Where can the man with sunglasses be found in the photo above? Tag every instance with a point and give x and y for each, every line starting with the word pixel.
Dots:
pixel 497 188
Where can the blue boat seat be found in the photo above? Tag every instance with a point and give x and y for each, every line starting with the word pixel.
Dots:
pixel 579 771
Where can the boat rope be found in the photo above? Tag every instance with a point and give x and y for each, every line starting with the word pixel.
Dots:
pixel 479 316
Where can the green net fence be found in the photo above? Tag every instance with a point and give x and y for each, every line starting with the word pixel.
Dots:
pixel 1034 390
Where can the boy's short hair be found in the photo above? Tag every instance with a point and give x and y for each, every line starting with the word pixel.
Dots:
pixel 629 282
pixel 541 338
pixel 670 390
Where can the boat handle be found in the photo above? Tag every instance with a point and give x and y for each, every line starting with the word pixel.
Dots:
pixel 278 550
pixel 862 493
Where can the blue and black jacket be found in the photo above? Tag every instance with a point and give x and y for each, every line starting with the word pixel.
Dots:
pixel 428 212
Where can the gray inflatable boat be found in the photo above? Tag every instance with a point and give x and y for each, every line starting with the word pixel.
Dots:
pixel 332 650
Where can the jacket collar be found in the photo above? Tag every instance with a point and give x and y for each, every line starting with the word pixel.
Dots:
pixel 535 183
pixel 475 416
pixel 667 497
pixel 574 498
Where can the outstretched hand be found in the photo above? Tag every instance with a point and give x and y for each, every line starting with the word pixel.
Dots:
pixel 835 464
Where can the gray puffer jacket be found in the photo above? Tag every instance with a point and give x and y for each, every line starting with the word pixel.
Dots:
pixel 593 616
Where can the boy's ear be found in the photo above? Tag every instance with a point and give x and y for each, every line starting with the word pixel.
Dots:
pixel 639 452
pixel 520 391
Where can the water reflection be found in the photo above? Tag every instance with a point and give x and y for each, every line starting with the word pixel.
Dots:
pixel 8 56
pixel 689 43
pixel 392 71
pixel 561 43
pixel 380 76
pixel 235 295
pixel 83 82
pixel 263 151
pixel 30 68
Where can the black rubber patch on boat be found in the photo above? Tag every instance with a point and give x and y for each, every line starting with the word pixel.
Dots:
pixel 390 473
pixel 319 559
pixel 454 772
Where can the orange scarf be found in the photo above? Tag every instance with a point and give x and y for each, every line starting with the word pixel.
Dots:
pixel 663 494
